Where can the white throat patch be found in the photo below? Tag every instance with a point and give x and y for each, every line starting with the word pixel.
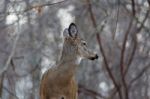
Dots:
pixel 78 60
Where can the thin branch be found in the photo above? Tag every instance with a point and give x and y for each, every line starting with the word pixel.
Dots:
pixel 124 46
pixel 12 64
pixel 135 45
pixel 148 2
pixel 134 39
pixel 34 7
pixel 30 72
pixel 10 56
pixel 4 69
pixel 102 50
pixel 144 20
pixel 1 84
pixel 122 64
pixel 122 58
pixel 147 87
pixel 146 68
pixel 133 51
pixel 12 61
pixel 137 20
pixel 43 5
pixel 114 33
pixel 90 92
pixel 23 75
pixel 133 7
pixel 11 93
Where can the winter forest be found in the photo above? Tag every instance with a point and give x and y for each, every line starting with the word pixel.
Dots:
pixel 31 40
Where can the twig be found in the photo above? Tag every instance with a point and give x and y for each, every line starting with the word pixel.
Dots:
pixel 133 51
pixel 42 5
pixel 1 84
pixel 114 33
pixel 34 7
pixel 136 19
pixel 144 20
pixel 124 46
pixel 11 93
pixel 122 64
pixel 11 55
pixel 146 68
pixel 102 50
pixel 148 2
pixel 122 58
pixel 4 69
pixel 134 39
pixel 30 72
pixel 90 92
pixel 133 7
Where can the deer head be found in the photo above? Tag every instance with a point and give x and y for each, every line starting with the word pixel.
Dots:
pixel 75 47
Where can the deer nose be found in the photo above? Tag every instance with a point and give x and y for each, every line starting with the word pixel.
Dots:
pixel 96 56
pixel 93 58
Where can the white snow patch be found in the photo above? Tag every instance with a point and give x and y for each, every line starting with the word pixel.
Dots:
pixel 11 19
pixel 103 86
pixel 65 17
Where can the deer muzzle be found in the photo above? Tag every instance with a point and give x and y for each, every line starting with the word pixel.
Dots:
pixel 94 57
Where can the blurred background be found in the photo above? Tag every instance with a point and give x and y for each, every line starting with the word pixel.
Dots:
pixel 118 30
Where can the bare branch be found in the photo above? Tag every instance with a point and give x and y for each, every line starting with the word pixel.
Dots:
pixel 43 5
pixel 148 2
pixel 114 33
pixel 1 84
pixel 122 58
pixel 4 69
pixel 133 7
pixel 124 46
pixel 144 20
pixel 11 55
pixel 146 68
pixel 122 64
pixel 34 7
pixel 11 93
pixel 134 39
pixel 101 48
pixel 137 20
pixel 90 92
pixel 30 72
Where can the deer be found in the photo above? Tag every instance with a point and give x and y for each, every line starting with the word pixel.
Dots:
pixel 59 82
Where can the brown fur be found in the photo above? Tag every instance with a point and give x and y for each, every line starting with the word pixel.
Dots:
pixel 56 84
pixel 59 82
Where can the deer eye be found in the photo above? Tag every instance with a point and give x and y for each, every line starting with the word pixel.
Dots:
pixel 84 43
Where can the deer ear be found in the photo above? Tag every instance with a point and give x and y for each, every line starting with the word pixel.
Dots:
pixel 66 33
pixel 73 31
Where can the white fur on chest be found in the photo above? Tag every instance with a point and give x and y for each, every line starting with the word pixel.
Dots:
pixel 78 60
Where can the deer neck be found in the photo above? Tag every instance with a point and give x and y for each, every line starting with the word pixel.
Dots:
pixel 68 61
pixel 70 54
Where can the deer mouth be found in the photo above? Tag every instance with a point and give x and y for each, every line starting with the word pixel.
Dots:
pixel 93 58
